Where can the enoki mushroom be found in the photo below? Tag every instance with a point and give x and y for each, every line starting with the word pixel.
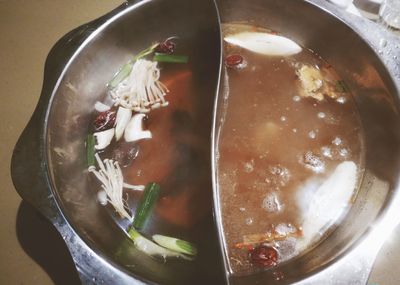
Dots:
pixel 110 176
pixel 141 91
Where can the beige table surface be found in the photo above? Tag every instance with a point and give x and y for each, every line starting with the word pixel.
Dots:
pixel 31 252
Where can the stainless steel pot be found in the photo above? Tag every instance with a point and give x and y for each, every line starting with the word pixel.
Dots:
pixel 48 169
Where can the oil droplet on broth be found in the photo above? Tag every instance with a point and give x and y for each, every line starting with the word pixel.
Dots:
pixel 341 100
pixel 271 203
pixel 313 162
pixel 248 166
pixel 337 141
pixel 285 229
pixel 326 151
pixel 249 221
pixel 280 175
pixel 312 134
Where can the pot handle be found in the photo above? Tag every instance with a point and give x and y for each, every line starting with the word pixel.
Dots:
pixel 28 164
pixel 385 43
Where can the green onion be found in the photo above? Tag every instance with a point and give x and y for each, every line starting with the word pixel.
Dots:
pixel 123 73
pixel 150 248
pixel 162 57
pixel 126 69
pixel 146 204
pixel 175 244
pixel 341 86
pixel 133 234
pixel 145 52
pixel 90 151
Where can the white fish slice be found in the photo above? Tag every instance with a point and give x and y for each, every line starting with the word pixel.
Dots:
pixel 329 201
pixel 134 130
pixel 264 43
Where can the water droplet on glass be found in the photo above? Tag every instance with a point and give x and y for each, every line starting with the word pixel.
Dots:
pixel 382 42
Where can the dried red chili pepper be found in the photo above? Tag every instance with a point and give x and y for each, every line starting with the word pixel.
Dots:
pixel 104 121
pixel 167 46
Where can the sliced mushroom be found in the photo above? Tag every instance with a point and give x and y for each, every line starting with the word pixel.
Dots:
pixel 104 138
pixel 101 107
pixel 123 117
pixel 134 130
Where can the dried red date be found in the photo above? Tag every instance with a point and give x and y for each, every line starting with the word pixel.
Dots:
pixel 104 121
pixel 233 60
pixel 166 46
pixel 264 256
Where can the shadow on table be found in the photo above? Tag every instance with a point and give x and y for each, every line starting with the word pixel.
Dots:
pixel 42 242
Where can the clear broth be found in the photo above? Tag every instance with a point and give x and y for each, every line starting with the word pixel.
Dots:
pixel 275 148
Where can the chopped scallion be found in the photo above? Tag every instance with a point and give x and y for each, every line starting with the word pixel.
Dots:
pixel 175 244
pixel 145 52
pixel 162 57
pixel 146 204
pixel 150 248
pixel 120 75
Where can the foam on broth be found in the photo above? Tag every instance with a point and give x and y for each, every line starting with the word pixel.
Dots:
pixel 283 157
